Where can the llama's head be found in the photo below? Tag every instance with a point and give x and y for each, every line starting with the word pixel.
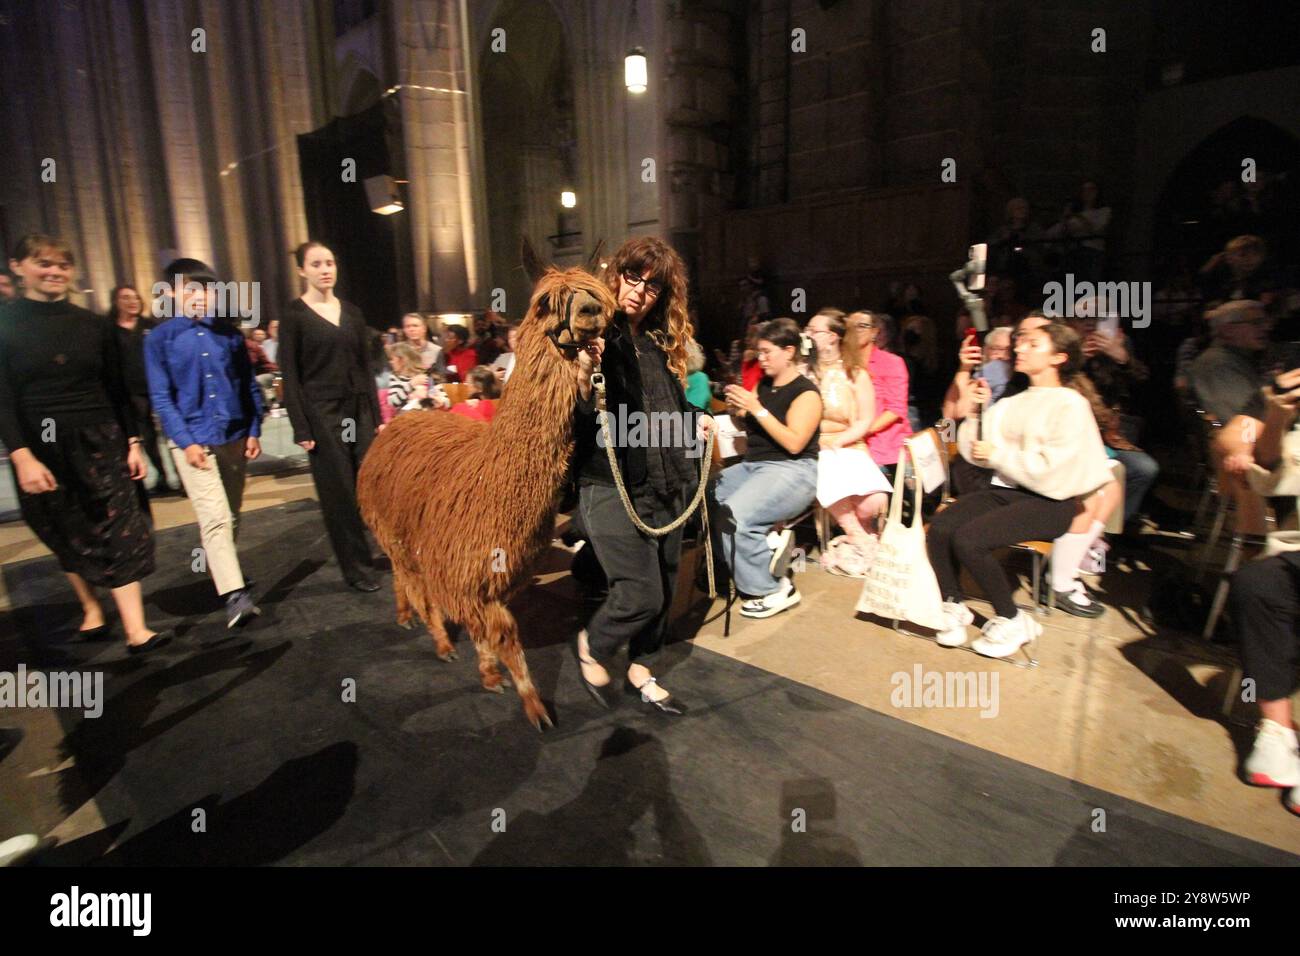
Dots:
pixel 571 306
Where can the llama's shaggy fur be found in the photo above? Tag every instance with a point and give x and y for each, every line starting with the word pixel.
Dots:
pixel 464 508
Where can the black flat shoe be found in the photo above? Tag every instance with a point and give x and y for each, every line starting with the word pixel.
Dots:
pixel 365 585
pixel 592 689
pixel 669 705
pixel 158 640
pixel 101 633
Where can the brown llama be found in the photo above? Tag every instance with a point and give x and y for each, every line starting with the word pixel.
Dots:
pixel 464 508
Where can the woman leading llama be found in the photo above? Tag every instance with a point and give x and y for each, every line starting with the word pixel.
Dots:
pixel 643 360
pixel 332 402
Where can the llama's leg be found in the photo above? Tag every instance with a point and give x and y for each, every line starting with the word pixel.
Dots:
pixel 489 669
pixel 432 615
pixel 501 633
pixel 403 600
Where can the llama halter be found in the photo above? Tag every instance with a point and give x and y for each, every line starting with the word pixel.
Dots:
pixel 598 383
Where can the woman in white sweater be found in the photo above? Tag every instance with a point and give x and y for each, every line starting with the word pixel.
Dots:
pixel 1045 449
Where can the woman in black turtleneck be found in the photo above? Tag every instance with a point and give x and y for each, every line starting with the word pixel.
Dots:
pixel 66 419
pixel 332 402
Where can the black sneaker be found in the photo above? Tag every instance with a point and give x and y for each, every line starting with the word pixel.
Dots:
pixel 240 607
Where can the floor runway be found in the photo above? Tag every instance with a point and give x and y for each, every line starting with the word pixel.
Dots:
pixel 325 734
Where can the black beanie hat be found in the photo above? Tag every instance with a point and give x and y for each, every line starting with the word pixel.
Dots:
pixel 191 270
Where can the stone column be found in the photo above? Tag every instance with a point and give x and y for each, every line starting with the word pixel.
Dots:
pixel 431 65
pixel 182 155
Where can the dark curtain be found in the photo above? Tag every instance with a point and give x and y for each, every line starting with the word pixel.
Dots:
pixel 372 250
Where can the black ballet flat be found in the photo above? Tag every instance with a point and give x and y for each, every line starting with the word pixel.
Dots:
pixel 101 633
pixel 364 585
pixel 160 639
pixel 595 692
pixel 669 705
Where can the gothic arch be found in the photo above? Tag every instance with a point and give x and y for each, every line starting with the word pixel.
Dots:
pixel 359 88
pixel 1183 201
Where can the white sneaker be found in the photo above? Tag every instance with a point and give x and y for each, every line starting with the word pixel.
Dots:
pixel 776 602
pixel 1292 800
pixel 782 545
pixel 14 851
pixel 957 618
pixel 1003 636
pixel 1273 762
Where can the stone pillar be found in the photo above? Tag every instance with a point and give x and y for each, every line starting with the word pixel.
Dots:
pixel 182 155
pixel 431 65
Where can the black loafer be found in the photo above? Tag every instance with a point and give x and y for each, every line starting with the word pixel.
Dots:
pixel 1066 601
pixel 158 640
pixel 101 633
pixel 365 585
pixel 669 705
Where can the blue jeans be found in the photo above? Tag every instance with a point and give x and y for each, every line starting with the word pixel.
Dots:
pixel 1140 471
pixel 759 494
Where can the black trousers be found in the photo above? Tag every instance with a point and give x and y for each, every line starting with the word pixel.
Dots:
pixel 343 430
pixel 973 527
pixel 641 570
pixel 149 435
pixel 1265 602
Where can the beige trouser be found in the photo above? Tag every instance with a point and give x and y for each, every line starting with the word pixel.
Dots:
pixel 216 493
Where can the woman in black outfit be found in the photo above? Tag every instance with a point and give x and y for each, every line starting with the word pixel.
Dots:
pixel 130 325
pixel 332 402
pixel 66 419
pixel 643 359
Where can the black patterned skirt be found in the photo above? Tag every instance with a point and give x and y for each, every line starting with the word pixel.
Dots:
pixel 93 521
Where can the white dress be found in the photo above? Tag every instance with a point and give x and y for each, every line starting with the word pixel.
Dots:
pixel 850 471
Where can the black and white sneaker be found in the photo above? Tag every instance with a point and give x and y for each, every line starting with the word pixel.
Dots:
pixel 787 596
pixel 240 607
pixel 782 544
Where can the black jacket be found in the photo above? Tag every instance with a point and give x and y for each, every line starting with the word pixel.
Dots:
pixel 622 388
pixel 322 364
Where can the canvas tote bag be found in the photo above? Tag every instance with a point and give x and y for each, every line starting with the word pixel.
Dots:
pixel 900 584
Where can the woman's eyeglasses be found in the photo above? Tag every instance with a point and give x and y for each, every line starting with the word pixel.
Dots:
pixel 652 289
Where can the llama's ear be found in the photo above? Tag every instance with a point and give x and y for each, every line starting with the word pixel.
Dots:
pixel 534 268
pixel 593 264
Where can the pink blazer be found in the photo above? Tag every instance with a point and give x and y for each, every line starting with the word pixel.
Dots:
pixel 889 378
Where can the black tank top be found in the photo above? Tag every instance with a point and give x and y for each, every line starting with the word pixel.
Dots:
pixel 778 402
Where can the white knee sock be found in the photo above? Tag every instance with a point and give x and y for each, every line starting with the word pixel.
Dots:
pixel 1067 551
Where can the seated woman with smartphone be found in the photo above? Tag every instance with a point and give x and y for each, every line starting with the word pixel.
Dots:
pixel 777 479
pixel 1045 451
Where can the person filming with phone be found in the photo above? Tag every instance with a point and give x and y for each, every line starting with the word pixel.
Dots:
pixel 1116 373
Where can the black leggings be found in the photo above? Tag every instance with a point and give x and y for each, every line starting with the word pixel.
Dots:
pixel 988 520
pixel 1265 601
